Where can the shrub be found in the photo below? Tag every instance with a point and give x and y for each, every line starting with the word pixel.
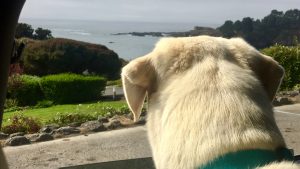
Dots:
pixel 115 83
pixel 44 104
pixel 289 58
pixel 297 87
pixel 10 103
pixel 24 89
pixel 81 115
pixel 65 119
pixel 21 123
pixel 72 88
pixel 59 55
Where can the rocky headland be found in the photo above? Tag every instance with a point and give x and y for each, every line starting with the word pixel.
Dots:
pixel 195 32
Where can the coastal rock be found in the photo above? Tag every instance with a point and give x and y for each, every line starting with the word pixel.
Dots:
pixel 75 124
pixel 67 130
pixel 278 101
pixel 294 93
pixel 44 137
pixel 17 134
pixel 3 135
pixel 129 116
pixel 94 126
pixel 17 140
pixel 48 128
pixel 103 119
pixel 198 30
pixel 297 99
pixel 113 124
pixel 142 120
pixel 32 137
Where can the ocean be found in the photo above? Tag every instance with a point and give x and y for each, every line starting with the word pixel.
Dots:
pixel 127 47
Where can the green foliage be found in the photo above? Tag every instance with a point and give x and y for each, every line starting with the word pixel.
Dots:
pixel 80 117
pixel 62 119
pixel 21 123
pixel 44 104
pixel 289 58
pixel 24 89
pixel 42 34
pixel 58 55
pixel 45 114
pixel 297 87
pixel 72 88
pixel 115 83
pixel 277 27
pixel 10 104
pixel 24 30
pixel 227 29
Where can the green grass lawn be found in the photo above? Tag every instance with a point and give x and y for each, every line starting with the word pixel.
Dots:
pixel 46 114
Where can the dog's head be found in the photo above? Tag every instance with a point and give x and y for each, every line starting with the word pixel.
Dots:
pixel 174 56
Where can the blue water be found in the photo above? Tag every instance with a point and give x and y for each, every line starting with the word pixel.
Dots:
pixel 100 32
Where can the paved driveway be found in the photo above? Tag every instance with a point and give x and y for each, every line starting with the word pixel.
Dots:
pixel 288 120
pixel 99 147
pixel 119 144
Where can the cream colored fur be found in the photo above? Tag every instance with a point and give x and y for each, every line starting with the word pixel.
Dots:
pixel 207 96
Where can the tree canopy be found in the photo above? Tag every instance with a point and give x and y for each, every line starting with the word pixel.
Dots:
pixel 42 34
pixel 26 30
pixel 277 27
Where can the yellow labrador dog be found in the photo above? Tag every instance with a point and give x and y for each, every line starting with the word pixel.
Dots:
pixel 209 104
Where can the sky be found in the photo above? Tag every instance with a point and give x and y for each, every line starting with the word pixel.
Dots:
pixel 177 11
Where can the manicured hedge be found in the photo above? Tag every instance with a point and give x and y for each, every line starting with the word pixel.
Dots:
pixel 25 89
pixel 72 88
pixel 289 58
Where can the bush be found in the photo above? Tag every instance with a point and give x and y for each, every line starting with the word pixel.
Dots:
pixel 289 58
pixel 72 88
pixel 80 116
pixel 59 55
pixel 21 123
pixel 66 119
pixel 115 83
pixel 10 104
pixel 24 89
pixel 44 104
pixel 297 87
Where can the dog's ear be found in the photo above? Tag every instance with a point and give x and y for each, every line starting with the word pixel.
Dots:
pixel 269 72
pixel 137 78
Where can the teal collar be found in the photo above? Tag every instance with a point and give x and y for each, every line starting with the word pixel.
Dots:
pixel 249 159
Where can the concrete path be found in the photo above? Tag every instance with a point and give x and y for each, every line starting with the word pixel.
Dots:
pixel 100 147
pixel 119 145
pixel 288 120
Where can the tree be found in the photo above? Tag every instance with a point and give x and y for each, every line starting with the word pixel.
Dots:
pixel 276 28
pixel 42 34
pixel 24 30
pixel 227 29
pixel 247 25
